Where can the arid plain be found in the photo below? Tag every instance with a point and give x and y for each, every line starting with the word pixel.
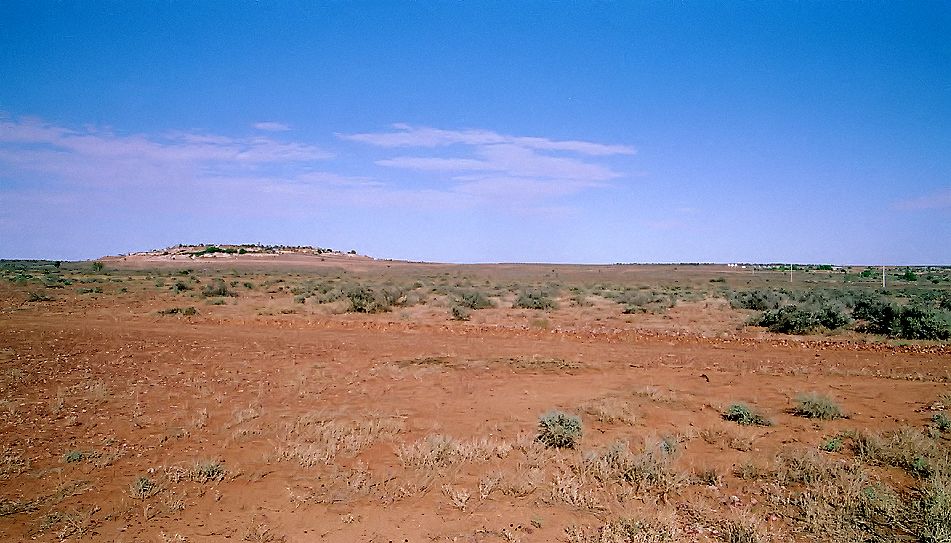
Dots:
pixel 331 397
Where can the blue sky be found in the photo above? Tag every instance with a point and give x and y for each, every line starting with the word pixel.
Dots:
pixel 594 132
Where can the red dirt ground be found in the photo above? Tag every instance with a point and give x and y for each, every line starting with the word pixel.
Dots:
pixel 241 385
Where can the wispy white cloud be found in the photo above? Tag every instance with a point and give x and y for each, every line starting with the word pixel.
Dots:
pixel 420 136
pixel 940 199
pixel 270 126
pixel 269 175
pixel 435 164
pixel 211 175
pixel 493 165
pixel 101 157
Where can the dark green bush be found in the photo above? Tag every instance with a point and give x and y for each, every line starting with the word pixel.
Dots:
pixel 909 322
pixel 744 415
pixel 181 286
pixel 873 309
pixel 559 430
pixel 473 300
pixel 788 319
pixel 917 322
pixel 534 299
pixel 363 300
pixel 831 317
pixel 216 288
pixel 374 300
pixel 757 299
pixel 797 319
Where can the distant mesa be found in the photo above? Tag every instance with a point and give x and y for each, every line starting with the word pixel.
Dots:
pixel 207 251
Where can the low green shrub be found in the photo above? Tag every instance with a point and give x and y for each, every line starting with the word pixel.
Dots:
pixel 534 299
pixel 832 444
pixel 374 300
pixel 757 299
pixel 207 471
pixel 817 406
pixel 941 422
pixel 74 456
pixel 363 300
pixel 473 300
pixel 918 322
pixel 217 288
pixel 923 319
pixel 559 430
pixel 744 415
pixel 800 319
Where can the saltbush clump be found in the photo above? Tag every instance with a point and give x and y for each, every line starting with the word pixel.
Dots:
pixel 216 288
pixel 817 406
pixel 798 319
pixel 559 430
pixel 918 322
pixel 941 421
pixel 370 300
pixel 534 299
pixel 746 416
pixel 473 300
pixel 910 322
pixel 758 299
pixel 74 456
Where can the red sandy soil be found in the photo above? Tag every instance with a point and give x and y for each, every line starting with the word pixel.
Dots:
pixel 144 395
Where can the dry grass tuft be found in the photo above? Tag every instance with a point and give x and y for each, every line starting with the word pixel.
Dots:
pixel 317 439
pixel 571 487
pixel 610 410
pixel 202 471
pixel 647 470
pixel 459 497
pixel 439 451
pixel 624 531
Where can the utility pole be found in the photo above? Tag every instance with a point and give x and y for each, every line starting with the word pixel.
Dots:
pixel 883 276
pixel 790 273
